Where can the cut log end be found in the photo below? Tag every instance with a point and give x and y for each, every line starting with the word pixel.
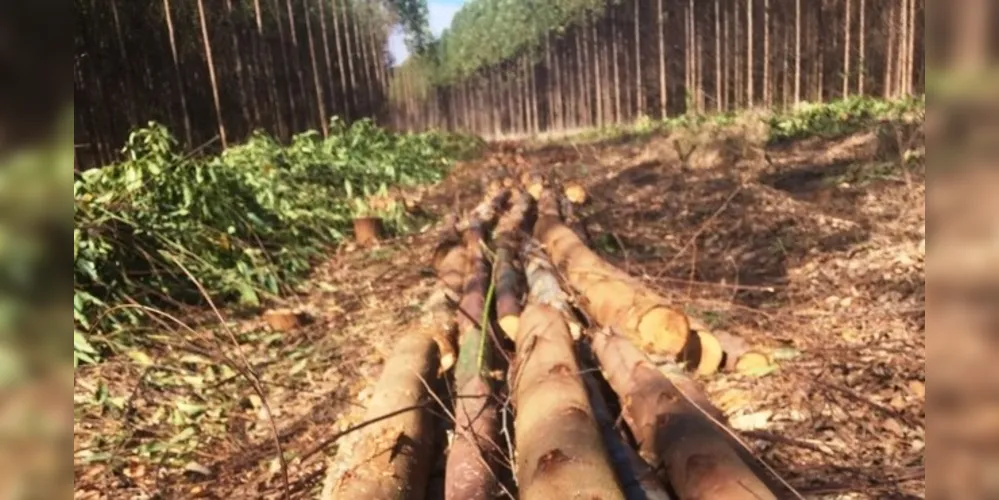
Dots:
pixel 448 360
pixel 535 189
pixel 752 361
pixel 711 355
pixel 664 330
pixel 509 325
pixel 576 194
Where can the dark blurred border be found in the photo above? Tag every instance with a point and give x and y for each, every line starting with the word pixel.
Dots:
pixel 36 77
pixel 36 158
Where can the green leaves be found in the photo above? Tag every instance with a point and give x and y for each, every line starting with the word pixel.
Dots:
pixel 242 223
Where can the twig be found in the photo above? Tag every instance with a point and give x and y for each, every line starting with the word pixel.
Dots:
pixel 704 226
pixel 250 375
pixel 332 439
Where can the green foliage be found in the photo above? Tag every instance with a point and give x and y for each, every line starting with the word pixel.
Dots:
pixel 243 223
pixel 839 117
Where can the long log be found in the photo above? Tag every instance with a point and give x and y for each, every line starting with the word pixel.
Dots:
pixel 394 457
pixel 560 453
pixel 616 299
pixel 509 272
pixel 451 265
pixel 473 458
pixel 638 480
pixel 699 459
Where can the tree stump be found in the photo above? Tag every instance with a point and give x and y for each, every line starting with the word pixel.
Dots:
pixel 367 230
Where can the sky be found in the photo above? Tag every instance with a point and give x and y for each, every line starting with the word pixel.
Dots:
pixel 441 12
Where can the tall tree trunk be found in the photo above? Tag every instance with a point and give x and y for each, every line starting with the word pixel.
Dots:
pixel 726 76
pixel 176 68
pixel 345 16
pixel 206 41
pixel 797 51
pixel 660 18
pixel 296 61
pixel 327 55
pixel 891 55
pixel 862 53
pixel 750 97
pixel 266 59
pixel 349 102
pixel 910 76
pixel 639 87
pixel 581 90
pixel 846 51
pixel 615 48
pixel 130 107
pixel 320 100
pixel 549 78
pixel 237 59
pixel 594 50
pixel 821 70
pixel 719 101
pixel 366 66
pixel 767 91
pixel 293 103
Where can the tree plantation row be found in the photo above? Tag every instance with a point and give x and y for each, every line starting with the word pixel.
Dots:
pixel 222 69
pixel 527 66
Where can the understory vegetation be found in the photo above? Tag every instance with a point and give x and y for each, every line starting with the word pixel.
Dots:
pixel 827 120
pixel 152 229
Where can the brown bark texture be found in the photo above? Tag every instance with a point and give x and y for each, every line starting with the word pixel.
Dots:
pixel 560 453
pixel 699 459
pixel 393 460
pixel 474 455
pixel 509 272
pixel 615 299
pixel 637 479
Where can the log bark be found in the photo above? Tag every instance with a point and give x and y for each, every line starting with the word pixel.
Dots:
pixel 698 458
pixel 615 299
pixel 394 458
pixel 474 454
pixel 450 265
pixel 560 453
pixel 509 272
pixel 638 480
pixel 544 286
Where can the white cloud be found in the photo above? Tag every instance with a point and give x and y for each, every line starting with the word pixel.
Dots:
pixel 441 12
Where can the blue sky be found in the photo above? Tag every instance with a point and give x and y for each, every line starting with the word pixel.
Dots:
pixel 441 12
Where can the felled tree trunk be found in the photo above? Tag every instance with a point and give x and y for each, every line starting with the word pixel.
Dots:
pixel 394 458
pixel 560 453
pixel 700 461
pixel 638 480
pixel 450 262
pixel 474 456
pixel 615 299
pixel 509 272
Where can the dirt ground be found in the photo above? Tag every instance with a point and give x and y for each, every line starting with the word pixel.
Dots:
pixel 813 251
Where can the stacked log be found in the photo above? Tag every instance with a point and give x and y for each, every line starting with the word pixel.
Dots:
pixel 560 452
pixel 474 455
pixel 698 457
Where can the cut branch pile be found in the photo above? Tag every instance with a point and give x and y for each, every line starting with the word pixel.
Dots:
pixel 567 442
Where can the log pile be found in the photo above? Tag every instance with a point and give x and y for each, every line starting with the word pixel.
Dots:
pixel 517 283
